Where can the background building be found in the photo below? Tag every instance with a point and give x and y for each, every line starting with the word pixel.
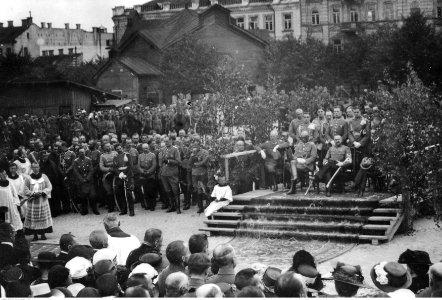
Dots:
pixel 45 40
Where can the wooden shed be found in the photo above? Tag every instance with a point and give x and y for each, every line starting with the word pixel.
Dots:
pixel 49 97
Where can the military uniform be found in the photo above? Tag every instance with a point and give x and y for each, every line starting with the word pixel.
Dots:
pixel 198 162
pixel 293 129
pixel 66 167
pixel 185 174
pixel 359 131
pixel 337 127
pixel 333 156
pixel 124 182
pixel 106 168
pixel 147 164
pixel 272 158
pixel 169 160
pixel 84 171
pixel 134 154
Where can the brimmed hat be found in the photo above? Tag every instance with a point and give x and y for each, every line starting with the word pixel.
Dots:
pixel 390 276
pixel 41 290
pixel 270 276
pixel 78 267
pixel 349 274
pixel 104 254
pixel 46 257
pixel 153 259
pixel 104 267
pixel 307 271
pixel 12 274
pixel 415 257
pixel 82 251
pixel 147 270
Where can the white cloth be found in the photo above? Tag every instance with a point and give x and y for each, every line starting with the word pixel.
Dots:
pixel 23 168
pixel 219 192
pixel 123 246
pixel 19 184
pixel 9 198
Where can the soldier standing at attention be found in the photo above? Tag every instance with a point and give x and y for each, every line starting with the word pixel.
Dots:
pixel 338 126
pixel 106 165
pixel 198 162
pixel 359 137
pixel 147 165
pixel 124 180
pixel 169 160
pixel 84 173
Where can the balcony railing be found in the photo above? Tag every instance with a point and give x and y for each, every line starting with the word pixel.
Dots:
pixel 230 2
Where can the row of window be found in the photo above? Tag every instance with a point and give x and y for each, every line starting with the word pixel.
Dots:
pixel 268 22
pixel 60 52
pixel 354 14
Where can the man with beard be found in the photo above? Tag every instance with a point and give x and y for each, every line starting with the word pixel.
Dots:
pixel 51 170
pixel 124 180
pixel 84 171
pixel 169 160
pixel 338 156
pixel 66 163
pixel 106 167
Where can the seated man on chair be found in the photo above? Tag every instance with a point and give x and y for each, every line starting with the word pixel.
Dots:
pixel 303 159
pixel 338 156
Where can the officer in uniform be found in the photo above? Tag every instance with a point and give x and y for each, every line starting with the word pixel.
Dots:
pixel 321 126
pixel 338 126
pixel 302 160
pixel 133 152
pixel 169 160
pixel 147 165
pixel 185 170
pixel 66 166
pixel 198 161
pixel 337 156
pixel 106 168
pixel 84 171
pixel 359 137
pixel 294 124
pixel 124 180
pixel 308 127
pixel 94 154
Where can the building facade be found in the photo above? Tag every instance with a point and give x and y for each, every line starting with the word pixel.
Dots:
pixel 278 18
pixel 45 40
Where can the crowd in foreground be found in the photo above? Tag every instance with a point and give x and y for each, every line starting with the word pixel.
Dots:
pixel 117 264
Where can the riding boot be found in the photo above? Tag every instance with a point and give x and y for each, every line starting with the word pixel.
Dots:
pixel 275 186
pixel 194 199
pixel 110 203
pixel 200 203
pixel 178 204
pixel 93 203
pixel 328 192
pixel 172 206
pixel 84 210
pixel 186 201
pixel 292 188
pixel 131 208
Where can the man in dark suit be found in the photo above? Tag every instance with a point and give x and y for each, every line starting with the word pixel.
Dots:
pixel 66 242
pixel 6 246
pixel 153 240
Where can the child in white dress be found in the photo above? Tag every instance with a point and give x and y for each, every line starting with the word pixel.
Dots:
pixel 222 194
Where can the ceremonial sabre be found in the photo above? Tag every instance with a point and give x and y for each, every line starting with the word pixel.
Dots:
pixel 71 201
pixel 125 193
pixel 333 177
pixel 115 195
pixel 311 182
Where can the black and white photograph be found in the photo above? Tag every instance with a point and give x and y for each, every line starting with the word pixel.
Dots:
pixel 221 148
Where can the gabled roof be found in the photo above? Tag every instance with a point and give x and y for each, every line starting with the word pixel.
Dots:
pixel 139 66
pixel 9 34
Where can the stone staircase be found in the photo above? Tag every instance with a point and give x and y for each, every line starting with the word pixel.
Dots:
pixel 345 217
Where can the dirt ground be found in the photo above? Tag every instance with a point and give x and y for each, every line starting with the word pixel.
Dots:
pixel 427 237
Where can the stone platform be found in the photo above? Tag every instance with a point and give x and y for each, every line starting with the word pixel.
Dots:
pixel 342 217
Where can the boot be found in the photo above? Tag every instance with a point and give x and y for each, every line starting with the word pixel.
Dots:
pixel 110 203
pixel 131 212
pixel 194 199
pixel 328 192
pixel 186 201
pixel 84 210
pixel 292 188
pixel 172 204
pixel 200 203
pixel 178 204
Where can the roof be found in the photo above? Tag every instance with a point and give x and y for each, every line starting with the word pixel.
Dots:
pixel 139 66
pixel 114 103
pixel 9 34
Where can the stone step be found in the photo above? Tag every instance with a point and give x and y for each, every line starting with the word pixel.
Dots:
pixel 230 223
pixel 326 210
pixel 375 227
pixel 381 219
pixel 310 217
pixel 328 202
pixel 342 227
pixel 228 231
pixel 298 234
pixel 233 207
pixel 373 237
pixel 387 210
pixel 227 215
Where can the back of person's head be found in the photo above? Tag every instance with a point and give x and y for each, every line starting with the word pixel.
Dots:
pixel 18 289
pixel 107 285
pixel 251 292
pixel 224 255
pixel 84 251
pixel 418 261
pixel 290 284
pixel 58 276
pixel 88 292
pixel 198 243
pixel 176 252
pixel 198 264
pixel 247 277
pixel 302 257
pixel 141 280
pixel 46 260
pixel 98 239
pixel 177 284
pixel 435 275
pixel 111 221
pixel 137 292
pixel 209 290
pixel 153 236
pixel 66 242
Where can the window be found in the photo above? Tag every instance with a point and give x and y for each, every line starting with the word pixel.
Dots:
pixel 253 22
pixel 44 53
pixel 51 52
pixel 388 11
pixel 268 20
pixel 27 35
pixel 287 21
pixel 354 16
pixel 414 7
pixel 337 46
pixel 240 22
pixel 8 50
pixel 25 51
pixel 336 15
pixel 439 12
pixel 60 51
pixel 315 17
pixel 71 51
pixel 108 43
pixel 371 13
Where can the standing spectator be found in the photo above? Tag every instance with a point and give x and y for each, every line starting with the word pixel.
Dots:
pixel 6 246
pixel 84 172
pixel 38 217
pixel 50 169
pixel 23 163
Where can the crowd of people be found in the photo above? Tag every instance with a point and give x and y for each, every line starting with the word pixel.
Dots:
pixel 116 264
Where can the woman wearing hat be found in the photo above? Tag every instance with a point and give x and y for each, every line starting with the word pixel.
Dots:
pixel 9 198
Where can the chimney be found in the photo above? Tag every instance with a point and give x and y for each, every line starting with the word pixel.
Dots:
pixel 66 25
pixel 10 23
pixel 137 8
pixel 43 25
pixel 78 26
pixel 1 25
pixel 24 22
pixel 49 25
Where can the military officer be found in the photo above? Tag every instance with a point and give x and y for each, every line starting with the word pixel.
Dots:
pixel 106 168
pixel 147 165
pixel 124 180
pixel 338 126
pixel 198 161
pixel 169 160
pixel 359 137
pixel 185 170
pixel 66 165
pixel 83 170
pixel 321 126
pixel 337 156
pixel 293 128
